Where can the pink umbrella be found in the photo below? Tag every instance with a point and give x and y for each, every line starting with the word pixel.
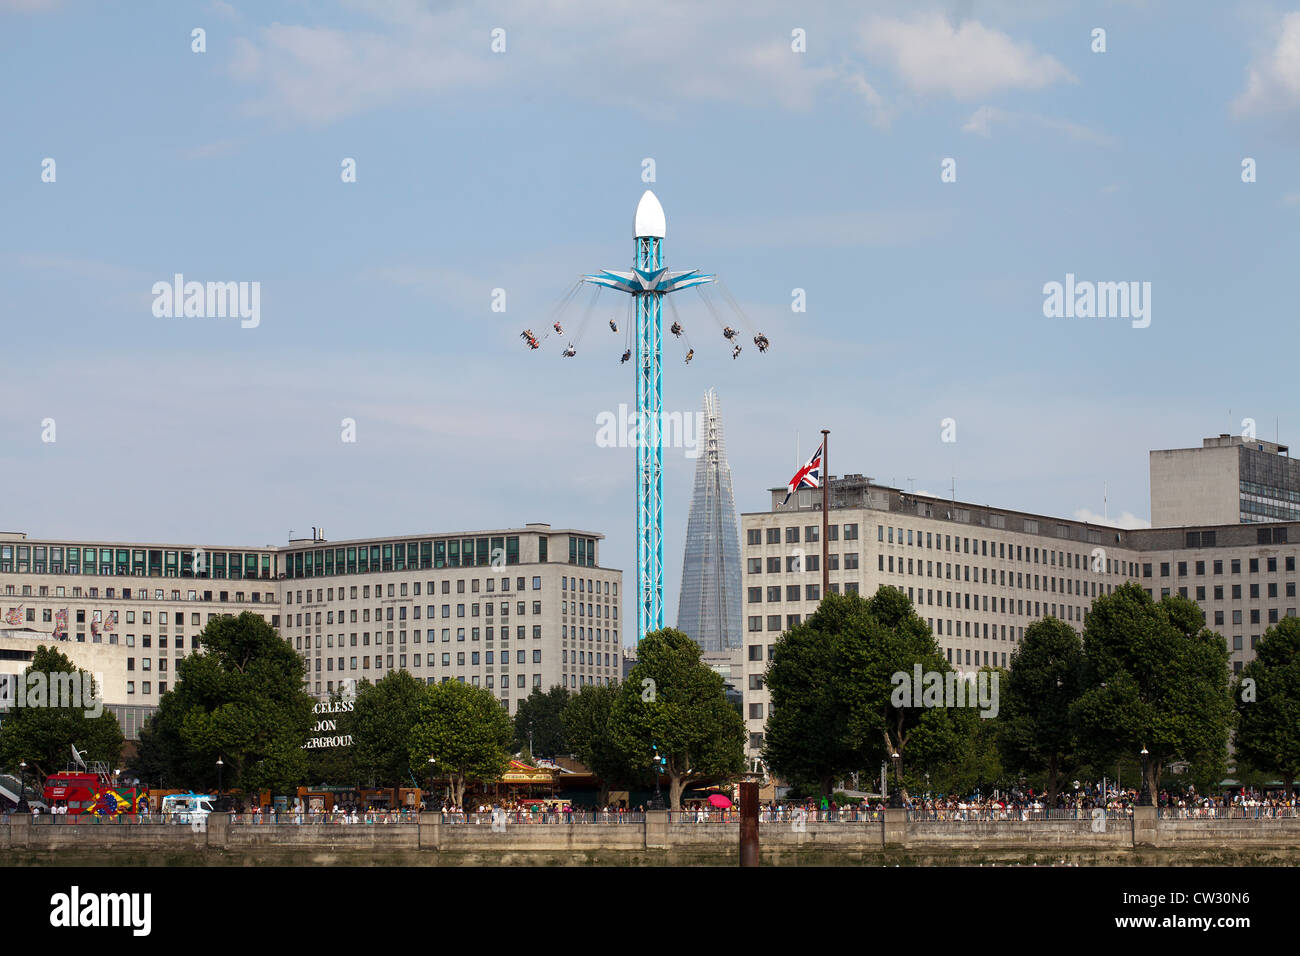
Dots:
pixel 718 800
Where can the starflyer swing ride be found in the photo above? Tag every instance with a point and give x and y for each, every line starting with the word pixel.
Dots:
pixel 647 285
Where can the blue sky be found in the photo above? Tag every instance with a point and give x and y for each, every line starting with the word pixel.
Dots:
pixel 520 170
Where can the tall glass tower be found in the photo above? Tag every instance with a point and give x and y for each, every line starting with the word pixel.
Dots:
pixel 709 607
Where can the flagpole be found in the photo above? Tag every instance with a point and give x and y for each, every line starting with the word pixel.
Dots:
pixel 826 514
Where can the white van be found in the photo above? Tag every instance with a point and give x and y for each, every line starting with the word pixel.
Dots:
pixel 187 807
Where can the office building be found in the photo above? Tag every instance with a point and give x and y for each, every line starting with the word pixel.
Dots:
pixel 708 608
pixel 1228 480
pixel 508 610
pixel 980 575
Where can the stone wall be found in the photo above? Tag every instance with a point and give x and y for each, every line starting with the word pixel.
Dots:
pixel 1145 838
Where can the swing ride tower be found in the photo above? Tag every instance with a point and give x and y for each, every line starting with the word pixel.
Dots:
pixel 648 283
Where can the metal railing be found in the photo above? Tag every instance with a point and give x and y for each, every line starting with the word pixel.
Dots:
pixel 116 819
pixel 516 817
pixel 519 817
pixel 779 814
pixel 979 814
pixel 324 818
pixel 1230 813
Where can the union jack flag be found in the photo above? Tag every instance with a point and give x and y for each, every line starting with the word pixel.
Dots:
pixel 15 615
pixel 809 476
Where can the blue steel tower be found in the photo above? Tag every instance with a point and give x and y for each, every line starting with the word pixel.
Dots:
pixel 649 282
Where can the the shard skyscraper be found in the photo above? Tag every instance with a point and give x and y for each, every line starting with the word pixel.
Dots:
pixel 709 608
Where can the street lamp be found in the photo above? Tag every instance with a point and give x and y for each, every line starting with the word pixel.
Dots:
pixel 220 776
pixel 22 787
pixel 1144 798
pixel 530 741
pixel 658 802
pixel 895 795
pixel 429 803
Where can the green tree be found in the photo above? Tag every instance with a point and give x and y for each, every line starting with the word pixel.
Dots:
pixel 674 702
pixel 465 731
pixel 539 717
pixel 382 719
pixel 882 644
pixel 971 761
pixel 1267 700
pixel 806 739
pixel 334 766
pixel 1036 734
pixel 242 700
pixel 1154 676
pixel 44 735
pixel 586 719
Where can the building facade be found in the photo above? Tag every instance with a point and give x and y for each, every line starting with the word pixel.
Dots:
pixel 979 575
pixel 509 609
pixel 709 607
pixel 1228 480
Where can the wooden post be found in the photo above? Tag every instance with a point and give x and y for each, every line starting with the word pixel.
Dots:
pixel 749 823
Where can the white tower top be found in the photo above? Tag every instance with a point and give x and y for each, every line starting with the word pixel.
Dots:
pixel 649 217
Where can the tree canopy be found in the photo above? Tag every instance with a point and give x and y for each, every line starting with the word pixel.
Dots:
pixel 1036 733
pixel 382 719
pixel 586 719
pixel 675 705
pixel 1154 676
pixel 44 735
pixel 807 737
pixel 883 637
pixel 539 717
pixel 1267 700
pixel 242 700
pixel 467 733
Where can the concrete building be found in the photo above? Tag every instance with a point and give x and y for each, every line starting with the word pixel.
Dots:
pixel 509 609
pixel 708 608
pixel 1228 480
pixel 128 611
pixel 980 575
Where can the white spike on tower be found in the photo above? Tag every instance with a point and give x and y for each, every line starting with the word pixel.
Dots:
pixel 649 217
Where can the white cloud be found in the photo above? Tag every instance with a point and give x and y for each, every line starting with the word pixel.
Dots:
pixel 966 62
pixel 696 54
pixel 1273 79
pixel 223 9
pixel 70 267
pixel 982 120
pixel 1127 520
pixel 1291 199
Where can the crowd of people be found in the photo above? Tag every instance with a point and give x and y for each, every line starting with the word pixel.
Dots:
pixel 534 811
pixel 1013 805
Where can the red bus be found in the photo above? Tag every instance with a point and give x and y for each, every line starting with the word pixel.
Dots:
pixel 93 793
